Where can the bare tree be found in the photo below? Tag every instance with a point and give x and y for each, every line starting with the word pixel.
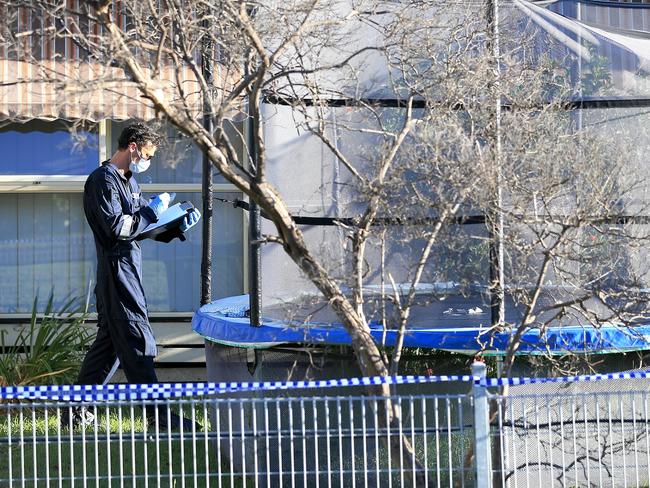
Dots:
pixel 439 155
pixel 545 171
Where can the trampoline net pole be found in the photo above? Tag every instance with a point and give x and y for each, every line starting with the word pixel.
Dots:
pixel 255 260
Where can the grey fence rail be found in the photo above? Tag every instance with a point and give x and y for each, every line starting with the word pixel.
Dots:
pixel 571 433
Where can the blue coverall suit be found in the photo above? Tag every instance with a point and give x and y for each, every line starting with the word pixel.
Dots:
pixel 117 214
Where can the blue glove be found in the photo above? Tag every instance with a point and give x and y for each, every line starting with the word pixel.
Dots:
pixel 190 221
pixel 160 203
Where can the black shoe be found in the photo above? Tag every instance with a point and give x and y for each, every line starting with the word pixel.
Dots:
pixel 171 421
pixel 76 417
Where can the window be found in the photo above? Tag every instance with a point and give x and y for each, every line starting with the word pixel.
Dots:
pixel 46 245
pixel 47 148
pixel 178 161
pixel 172 272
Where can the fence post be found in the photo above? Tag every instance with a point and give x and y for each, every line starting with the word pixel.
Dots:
pixel 481 429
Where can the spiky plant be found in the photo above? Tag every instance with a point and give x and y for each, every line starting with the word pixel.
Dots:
pixel 50 349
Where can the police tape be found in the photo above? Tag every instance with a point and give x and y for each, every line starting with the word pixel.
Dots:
pixel 122 392
pixel 175 390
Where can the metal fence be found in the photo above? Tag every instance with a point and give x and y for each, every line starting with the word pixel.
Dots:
pixel 573 434
pixel 321 435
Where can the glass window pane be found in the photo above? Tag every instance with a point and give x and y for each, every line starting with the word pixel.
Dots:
pixel 177 161
pixel 172 272
pixel 47 148
pixel 46 244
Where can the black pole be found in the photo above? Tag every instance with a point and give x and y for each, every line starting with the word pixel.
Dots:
pixel 255 234
pixel 206 181
pixel 255 263
pixel 206 250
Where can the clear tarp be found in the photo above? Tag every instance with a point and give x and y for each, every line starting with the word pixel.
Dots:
pixel 572 184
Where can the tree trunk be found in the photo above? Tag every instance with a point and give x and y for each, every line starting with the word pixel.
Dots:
pixel 368 355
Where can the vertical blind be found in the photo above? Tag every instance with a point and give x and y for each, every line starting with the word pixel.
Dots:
pixel 46 246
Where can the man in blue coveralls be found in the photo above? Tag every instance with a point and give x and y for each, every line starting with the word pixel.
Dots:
pixel 117 215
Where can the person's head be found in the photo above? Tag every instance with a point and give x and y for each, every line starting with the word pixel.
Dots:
pixel 141 142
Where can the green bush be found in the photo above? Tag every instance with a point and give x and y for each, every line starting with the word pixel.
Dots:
pixel 50 349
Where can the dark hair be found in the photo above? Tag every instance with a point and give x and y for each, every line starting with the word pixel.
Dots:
pixel 140 134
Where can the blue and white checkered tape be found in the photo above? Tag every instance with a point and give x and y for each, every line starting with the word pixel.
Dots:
pixel 177 390
pixel 99 393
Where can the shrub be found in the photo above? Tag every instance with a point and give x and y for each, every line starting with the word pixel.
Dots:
pixel 50 349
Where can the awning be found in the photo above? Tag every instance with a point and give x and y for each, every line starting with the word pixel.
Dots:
pixel 76 89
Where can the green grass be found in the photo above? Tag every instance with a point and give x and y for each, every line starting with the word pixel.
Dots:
pixel 113 452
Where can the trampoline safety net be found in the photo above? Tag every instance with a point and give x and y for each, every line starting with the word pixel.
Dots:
pixel 532 183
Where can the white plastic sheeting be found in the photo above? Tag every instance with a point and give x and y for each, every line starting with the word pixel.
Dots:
pixel 605 50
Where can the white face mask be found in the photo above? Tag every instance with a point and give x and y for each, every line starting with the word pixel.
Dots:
pixel 141 165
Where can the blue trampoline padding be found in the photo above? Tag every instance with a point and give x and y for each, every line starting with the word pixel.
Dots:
pixel 224 321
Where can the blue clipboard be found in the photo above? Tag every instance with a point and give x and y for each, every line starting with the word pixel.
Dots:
pixel 170 219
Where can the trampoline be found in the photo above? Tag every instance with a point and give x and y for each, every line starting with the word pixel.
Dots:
pixel 456 323
pixel 452 307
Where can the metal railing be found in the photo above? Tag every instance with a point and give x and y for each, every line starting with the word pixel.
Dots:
pixel 328 434
pixel 574 438
pixel 265 441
